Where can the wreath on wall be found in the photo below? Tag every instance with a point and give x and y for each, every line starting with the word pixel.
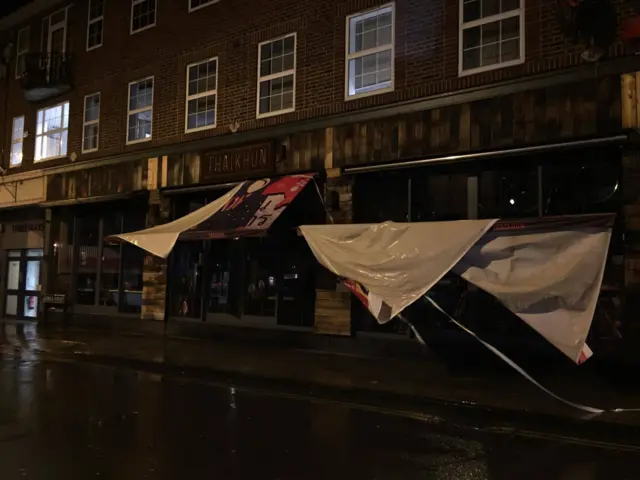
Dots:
pixel 592 23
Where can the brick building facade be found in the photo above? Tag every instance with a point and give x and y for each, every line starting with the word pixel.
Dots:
pixel 349 87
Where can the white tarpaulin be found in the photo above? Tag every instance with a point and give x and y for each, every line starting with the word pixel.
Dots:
pixel 161 239
pixel 551 280
pixel 397 262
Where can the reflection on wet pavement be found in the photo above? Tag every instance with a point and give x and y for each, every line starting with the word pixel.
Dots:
pixel 79 421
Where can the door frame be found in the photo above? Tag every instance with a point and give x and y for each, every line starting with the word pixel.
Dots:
pixel 21 292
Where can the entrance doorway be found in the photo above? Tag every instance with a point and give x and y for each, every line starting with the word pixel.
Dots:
pixel 23 283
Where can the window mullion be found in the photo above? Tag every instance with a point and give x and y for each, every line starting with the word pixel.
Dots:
pixel 491 19
pixel 273 76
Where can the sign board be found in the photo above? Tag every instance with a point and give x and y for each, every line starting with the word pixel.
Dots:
pixel 19 235
pixel 238 163
pixel 54 298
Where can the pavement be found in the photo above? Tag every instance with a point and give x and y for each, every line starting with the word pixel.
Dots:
pixel 480 389
pixel 65 416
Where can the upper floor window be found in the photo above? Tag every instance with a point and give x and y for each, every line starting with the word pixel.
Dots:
pixel 491 34
pixel 54 32
pixel 52 132
pixel 95 25
pixel 22 49
pixel 143 15
pixel 17 137
pixel 91 123
pixel 140 111
pixel 202 86
pixel 370 52
pixel 277 76
pixel 198 4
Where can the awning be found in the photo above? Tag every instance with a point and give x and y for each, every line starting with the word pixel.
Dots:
pixel 250 208
pixel 548 272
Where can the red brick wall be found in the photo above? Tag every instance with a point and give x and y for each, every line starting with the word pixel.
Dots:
pixel 426 61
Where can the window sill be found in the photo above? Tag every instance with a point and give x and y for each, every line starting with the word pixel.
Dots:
pixel 133 32
pixel 200 129
pixel 133 142
pixel 489 68
pixel 260 116
pixel 371 93
pixel 49 159
pixel 195 9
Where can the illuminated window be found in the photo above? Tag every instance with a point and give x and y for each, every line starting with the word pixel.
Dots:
pixel 140 116
pixel 52 132
pixel 17 137
pixel 370 52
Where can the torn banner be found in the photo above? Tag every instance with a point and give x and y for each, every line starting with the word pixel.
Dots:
pixel 548 272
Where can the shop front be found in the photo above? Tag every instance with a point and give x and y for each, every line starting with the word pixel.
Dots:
pixel 266 279
pixel 576 179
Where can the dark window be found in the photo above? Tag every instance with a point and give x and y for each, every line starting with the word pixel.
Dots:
pixel 508 192
pixel 88 244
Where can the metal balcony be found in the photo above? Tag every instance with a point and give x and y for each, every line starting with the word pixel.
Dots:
pixel 46 76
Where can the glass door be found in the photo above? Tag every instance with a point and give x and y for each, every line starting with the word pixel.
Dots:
pixel 14 279
pixel 23 283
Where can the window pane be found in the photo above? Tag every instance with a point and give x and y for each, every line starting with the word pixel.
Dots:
pixel 201 112
pixel 202 78
pixel 92 108
pixel 96 9
pixel 272 93
pixel 140 125
pixel 277 56
pixel 144 14
pixel 18 128
pixel 95 34
pixel 90 137
pixel 370 30
pixel 16 154
pixel 371 72
pixel 141 94
pixel 491 43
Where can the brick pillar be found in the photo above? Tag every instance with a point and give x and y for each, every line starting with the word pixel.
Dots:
pixel 154 270
pixel 333 300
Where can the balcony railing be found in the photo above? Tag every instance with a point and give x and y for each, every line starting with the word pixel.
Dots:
pixel 46 75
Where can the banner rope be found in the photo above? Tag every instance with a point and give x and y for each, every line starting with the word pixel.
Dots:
pixel 520 370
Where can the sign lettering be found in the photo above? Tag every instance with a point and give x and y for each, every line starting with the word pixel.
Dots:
pixel 237 163
pixel 28 227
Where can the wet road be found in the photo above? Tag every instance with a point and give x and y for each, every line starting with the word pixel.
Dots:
pixel 80 421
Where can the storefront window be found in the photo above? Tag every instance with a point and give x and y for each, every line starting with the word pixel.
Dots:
pixel 107 275
pixel 88 242
pixel 508 192
pixel 380 197
pixel 111 261
pixel 587 184
pixel 438 196
pixel 187 280
pixel 62 248
pixel 263 277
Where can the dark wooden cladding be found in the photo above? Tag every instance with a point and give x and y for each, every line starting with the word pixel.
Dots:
pixel 97 182
pixel 302 152
pixel 556 113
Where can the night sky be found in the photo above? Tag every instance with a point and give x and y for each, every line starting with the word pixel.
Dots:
pixel 9 6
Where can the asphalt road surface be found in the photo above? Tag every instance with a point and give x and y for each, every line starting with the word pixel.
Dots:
pixel 61 420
